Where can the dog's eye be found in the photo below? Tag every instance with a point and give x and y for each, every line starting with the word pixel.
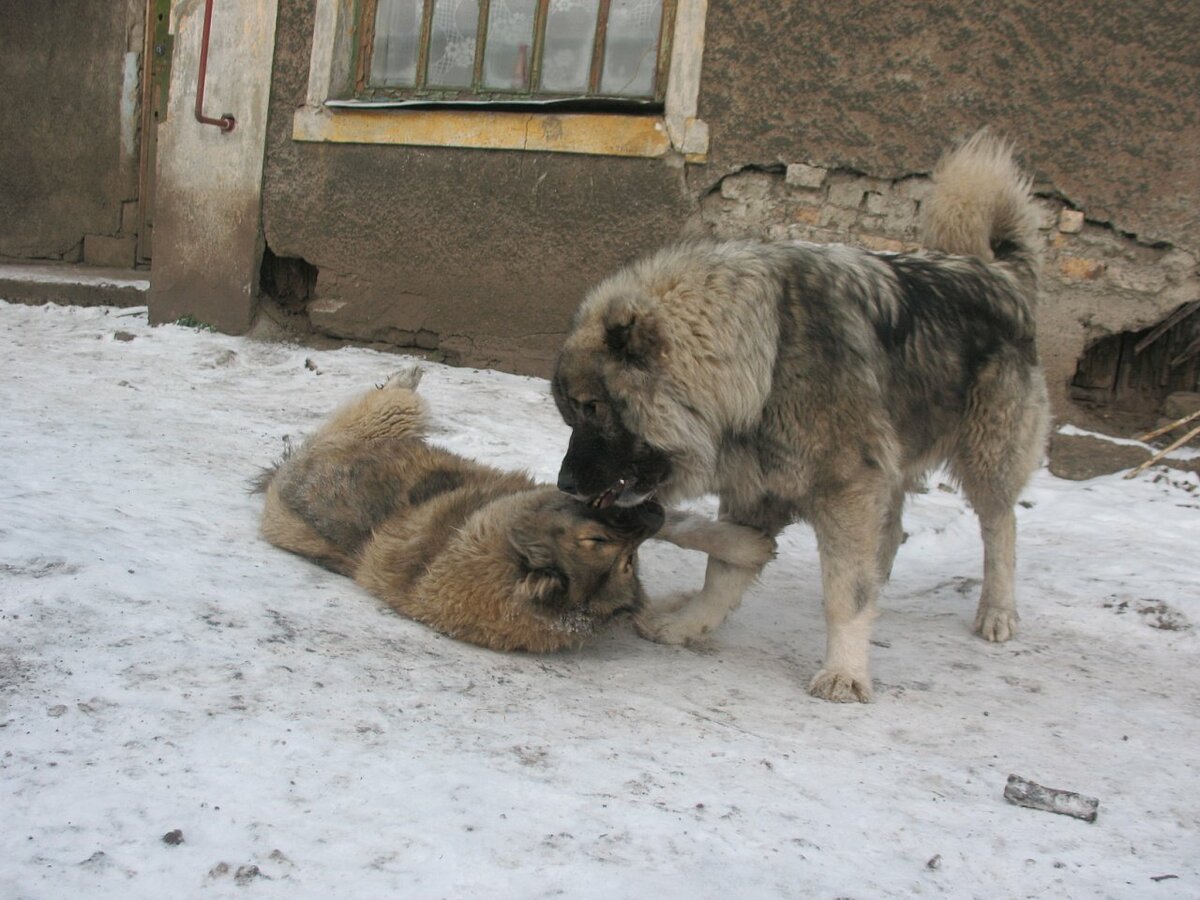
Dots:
pixel 595 540
pixel 587 408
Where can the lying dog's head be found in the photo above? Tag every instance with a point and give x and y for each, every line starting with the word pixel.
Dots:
pixel 578 563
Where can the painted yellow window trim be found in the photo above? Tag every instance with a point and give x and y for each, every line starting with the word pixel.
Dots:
pixel 676 133
pixel 593 133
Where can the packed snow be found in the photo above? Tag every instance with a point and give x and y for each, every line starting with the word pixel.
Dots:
pixel 188 711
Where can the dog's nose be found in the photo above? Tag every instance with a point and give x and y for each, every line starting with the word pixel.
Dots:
pixel 567 483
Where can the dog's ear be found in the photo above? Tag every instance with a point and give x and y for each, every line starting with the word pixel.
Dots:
pixel 541 582
pixel 633 336
pixel 542 587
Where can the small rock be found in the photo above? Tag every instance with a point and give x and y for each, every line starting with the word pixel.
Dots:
pixel 174 838
pixel 1180 404
pixel 1070 221
pixel 246 874
pixel 1078 457
pixel 935 862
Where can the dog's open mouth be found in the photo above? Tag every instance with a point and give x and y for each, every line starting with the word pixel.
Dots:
pixel 609 497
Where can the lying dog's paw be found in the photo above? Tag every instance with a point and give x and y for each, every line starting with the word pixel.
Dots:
pixel 404 379
pixel 839 687
pixel 996 625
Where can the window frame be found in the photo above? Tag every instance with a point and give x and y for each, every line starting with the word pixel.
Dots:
pixel 331 113
pixel 421 91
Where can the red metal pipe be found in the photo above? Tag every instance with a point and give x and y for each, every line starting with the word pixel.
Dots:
pixel 226 122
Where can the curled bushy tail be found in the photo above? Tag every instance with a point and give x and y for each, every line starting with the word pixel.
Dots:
pixel 982 206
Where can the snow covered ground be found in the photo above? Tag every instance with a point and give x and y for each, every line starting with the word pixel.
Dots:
pixel 164 670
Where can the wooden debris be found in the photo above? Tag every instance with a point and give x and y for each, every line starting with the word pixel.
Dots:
pixel 1035 796
pixel 1170 426
pixel 1165 450
pixel 1166 325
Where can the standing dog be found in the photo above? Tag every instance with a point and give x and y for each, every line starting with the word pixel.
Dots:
pixel 482 555
pixel 804 381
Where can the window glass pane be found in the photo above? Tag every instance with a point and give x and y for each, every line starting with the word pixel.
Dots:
pixel 631 47
pixel 567 53
pixel 397 32
pixel 452 43
pixel 509 48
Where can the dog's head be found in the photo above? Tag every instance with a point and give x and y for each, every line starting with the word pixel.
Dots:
pixel 608 369
pixel 577 564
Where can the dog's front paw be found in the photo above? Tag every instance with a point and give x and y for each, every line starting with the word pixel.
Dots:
pixel 747 548
pixel 840 687
pixel 670 623
pixel 995 624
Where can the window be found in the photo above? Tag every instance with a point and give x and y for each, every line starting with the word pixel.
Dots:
pixel 608 77
pixel 579 52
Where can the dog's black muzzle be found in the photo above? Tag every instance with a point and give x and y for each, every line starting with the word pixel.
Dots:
pixel 604 471
pixel 634 522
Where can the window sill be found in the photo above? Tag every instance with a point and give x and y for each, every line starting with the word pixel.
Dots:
pixel 590 133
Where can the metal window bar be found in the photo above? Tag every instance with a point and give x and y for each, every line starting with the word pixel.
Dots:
pixel 420 90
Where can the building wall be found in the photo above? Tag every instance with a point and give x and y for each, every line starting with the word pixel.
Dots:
pixel 207 236
pixel 479 255
pixel 824 121
pixel 68 160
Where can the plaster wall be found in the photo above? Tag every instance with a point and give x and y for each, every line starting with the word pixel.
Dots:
pixel 479 255
pixel 68 161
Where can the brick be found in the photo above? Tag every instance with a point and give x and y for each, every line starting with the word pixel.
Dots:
pixel 747 186
pixel 1070 221
pixel 1143 279
pixel 805 215
pixel 805 176
pixel 1082 269
pixel 847 195
pixel 1047 216
pixel 878 242
pixel 918 190
pixel 838 218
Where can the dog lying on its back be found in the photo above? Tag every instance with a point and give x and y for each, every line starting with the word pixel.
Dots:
pixel 482 555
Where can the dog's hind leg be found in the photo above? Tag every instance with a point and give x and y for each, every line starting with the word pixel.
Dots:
pixel 1000 448
pixel 394 411
pixel 892 535
pixel 996 619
